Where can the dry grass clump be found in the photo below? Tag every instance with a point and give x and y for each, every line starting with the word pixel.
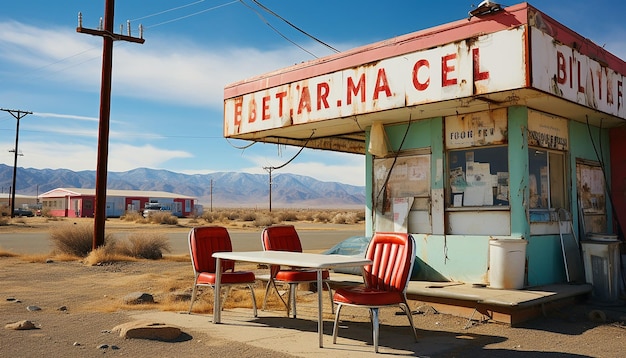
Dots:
pixel 5 220
pixel 263 217
pixel 77 241
pixel 73 239
pixel 133 216
pixel 263 220
pixel 144 246
pixel 163 217
pixel 4 253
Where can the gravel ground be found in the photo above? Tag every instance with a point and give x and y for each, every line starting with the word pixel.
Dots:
pixel 81 304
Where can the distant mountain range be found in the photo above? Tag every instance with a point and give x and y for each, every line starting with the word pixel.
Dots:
pixel 223 189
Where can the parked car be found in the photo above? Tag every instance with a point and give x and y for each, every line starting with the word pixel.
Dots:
pixel 23 212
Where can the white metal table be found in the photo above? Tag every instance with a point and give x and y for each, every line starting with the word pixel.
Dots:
pixel 318 262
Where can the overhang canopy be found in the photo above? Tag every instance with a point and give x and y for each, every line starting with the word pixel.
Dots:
pixel 517 56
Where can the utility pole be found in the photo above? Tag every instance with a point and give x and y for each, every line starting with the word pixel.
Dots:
pixel 108 37
pixel 18 114
pixel 269 169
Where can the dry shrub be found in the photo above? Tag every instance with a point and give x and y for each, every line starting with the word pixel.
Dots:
pixel 345 218
pixel 210 216
pixel 5 220
pixel 163 217
pixel 132 216
pixel 249 216
pixel 4 253
pixel 322 217
pixel 74 239
pixel 144 246
pixel 287 216
pixel 263 220
pixel 106 254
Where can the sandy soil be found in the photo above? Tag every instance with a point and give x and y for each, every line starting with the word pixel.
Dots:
pixel 80 305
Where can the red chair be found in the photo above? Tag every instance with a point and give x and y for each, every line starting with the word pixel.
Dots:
pixel 203 242
pixel 385 280
pixel 285 238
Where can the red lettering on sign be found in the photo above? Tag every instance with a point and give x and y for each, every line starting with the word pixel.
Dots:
pixel 305 100
pixel 446 69
pixel 620 98
pixel 280 96
pixel 323 89
pixel 478 76
pixel 265 109
pixel 561 68
pixel 354 90
pixel 252 111
pixel 581 89
pixel 416 68
pixel 238 111
pixel 382 85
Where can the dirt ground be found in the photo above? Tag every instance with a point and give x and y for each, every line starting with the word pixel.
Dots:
pixel 80 304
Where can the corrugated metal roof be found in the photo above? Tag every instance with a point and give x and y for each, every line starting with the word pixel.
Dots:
pixel 114 192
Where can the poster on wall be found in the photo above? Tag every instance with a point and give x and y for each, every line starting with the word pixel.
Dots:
pixel 547 131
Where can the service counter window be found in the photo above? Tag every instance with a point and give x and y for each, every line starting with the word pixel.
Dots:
pixel 478 177
pixel 546 183
pixel 548 142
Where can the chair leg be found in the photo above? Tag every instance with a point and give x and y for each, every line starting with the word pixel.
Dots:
pixel 375 325
pixel 407 310
pixel 330 295
pixel 336 324
pixel 267 291
pixel 271 283
pixel 251 287
pixel 228 288
pixel 293 288
pixel 193 297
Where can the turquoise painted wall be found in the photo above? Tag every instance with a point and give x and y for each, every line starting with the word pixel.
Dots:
pixel 466 257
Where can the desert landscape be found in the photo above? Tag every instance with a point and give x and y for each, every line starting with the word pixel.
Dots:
pixel 75 306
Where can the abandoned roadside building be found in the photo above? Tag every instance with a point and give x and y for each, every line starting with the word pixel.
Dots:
pixel 496 141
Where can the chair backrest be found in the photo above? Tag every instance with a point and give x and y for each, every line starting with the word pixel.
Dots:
pixel 206 240
pixel 281 238
pixel 392 255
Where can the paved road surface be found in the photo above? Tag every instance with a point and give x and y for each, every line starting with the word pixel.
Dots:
pixel 314 240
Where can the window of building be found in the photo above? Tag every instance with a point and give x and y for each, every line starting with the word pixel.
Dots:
pixel 546 182
pixel 478 177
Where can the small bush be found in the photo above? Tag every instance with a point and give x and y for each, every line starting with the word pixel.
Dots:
pixel 263 220
pixel 249 216
pixel 74 239
pixel 5 220
pixel 145 246
pixel 163 217
pixel 132 216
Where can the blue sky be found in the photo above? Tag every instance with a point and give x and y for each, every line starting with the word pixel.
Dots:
pixel 167 99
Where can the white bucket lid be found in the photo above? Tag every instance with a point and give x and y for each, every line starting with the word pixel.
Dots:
pixel 601 236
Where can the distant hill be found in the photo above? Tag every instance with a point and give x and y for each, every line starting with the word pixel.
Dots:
pixel 229 189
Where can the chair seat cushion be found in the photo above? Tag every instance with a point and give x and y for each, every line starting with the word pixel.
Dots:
pixel 208 278
pixel 299 275
pixel 361 295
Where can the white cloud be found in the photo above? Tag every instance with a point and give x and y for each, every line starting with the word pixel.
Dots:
pixel 166 70
pixel 76 157
pixel 335 167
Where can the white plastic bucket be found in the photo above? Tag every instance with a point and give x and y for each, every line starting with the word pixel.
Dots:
pixel 507 263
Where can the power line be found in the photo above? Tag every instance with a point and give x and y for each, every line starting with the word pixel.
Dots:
pixel 295 27
pixel 276 30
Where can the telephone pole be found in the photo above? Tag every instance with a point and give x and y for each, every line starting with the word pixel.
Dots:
pixel 18 114
pixel 106 32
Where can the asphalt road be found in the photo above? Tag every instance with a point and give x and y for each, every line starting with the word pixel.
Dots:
pixel 314 240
